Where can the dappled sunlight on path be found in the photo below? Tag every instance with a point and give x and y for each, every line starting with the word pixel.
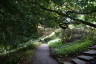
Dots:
pixel 42 56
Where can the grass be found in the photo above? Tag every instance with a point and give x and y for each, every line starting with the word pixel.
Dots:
pixel 69 49
pixel 23 46
pixel 20 53
pixel 18 57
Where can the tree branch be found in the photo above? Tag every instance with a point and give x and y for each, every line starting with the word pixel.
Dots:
pixel 67 16
pixel 89 12
pixel 54 11
pixel 83 22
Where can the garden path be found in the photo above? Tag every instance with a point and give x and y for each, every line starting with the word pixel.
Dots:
pixel 42 56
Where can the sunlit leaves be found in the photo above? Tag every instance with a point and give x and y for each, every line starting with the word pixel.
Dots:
pixel 21 17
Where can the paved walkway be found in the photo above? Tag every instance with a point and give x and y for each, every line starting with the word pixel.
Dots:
pixel 42 56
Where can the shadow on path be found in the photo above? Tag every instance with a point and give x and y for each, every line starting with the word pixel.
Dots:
pixel 42 56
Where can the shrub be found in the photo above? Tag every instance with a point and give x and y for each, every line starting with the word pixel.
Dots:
pixel 70 49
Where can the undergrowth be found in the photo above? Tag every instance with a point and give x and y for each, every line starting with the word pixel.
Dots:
pixel 69 49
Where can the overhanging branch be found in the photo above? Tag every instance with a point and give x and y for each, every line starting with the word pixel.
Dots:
pixel 78 20
pixel 67 16
pixel 54 11
pixel 83 22
pixel 89 12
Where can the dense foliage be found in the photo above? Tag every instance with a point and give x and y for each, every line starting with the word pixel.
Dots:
pixel 70 49
pixel 19 19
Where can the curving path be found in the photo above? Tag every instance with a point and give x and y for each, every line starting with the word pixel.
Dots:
pixel 42 56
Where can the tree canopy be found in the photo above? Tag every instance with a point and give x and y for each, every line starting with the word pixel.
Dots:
pixel 19 19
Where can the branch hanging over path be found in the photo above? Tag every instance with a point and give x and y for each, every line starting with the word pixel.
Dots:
pixel 67 16
pixel 89 12
pixel 83 22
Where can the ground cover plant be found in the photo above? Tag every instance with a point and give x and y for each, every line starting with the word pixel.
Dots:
pixel 70 49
